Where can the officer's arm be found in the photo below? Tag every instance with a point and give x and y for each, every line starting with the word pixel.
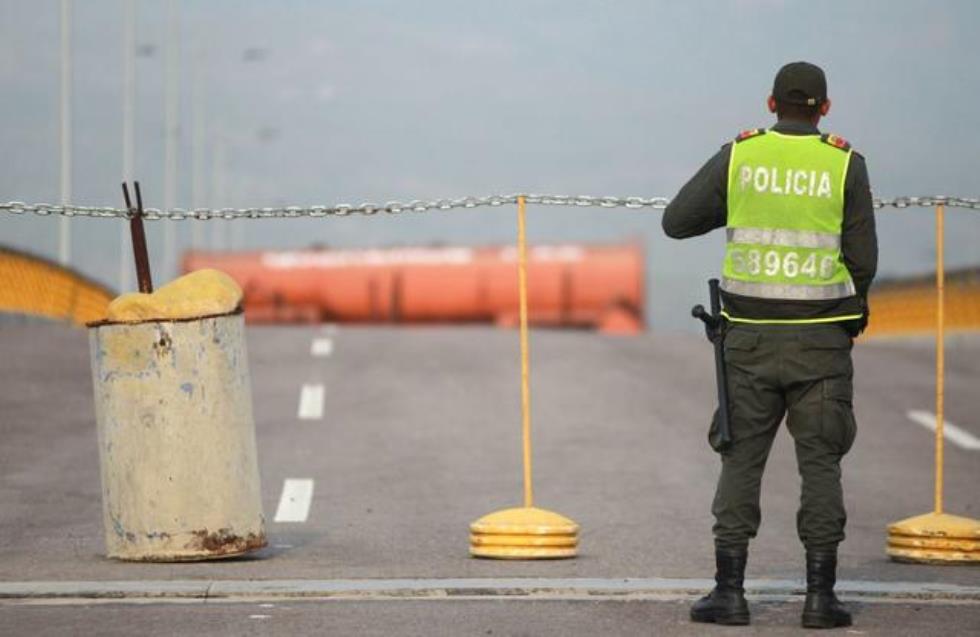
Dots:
pixel 859 241
pixel 701 205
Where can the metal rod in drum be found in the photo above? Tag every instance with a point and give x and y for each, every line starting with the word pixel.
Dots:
pixel 138 236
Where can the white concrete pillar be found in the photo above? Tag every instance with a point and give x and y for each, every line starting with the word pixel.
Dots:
pixel 180 477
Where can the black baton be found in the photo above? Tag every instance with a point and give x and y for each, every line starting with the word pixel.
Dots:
pixel 714 330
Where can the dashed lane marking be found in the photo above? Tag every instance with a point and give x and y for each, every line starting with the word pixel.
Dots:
pixel 311 402
pixel 956 435
pixel 322 346
pixel 294 503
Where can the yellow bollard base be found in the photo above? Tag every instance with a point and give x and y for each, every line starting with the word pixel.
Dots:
pixel 935 538
pixel 524 533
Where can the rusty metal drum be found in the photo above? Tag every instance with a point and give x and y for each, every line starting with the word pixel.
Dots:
pixel 180 477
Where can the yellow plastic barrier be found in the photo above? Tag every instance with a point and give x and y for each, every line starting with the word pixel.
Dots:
pixel 937 537
pixel 527 532
pixel 910 307
pixel 35 286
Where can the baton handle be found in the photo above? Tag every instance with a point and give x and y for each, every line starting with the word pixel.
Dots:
pixel 714 295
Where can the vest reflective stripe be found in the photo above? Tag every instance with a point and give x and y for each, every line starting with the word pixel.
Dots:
pixel 828 319
pixel 792 291
pixel 786 238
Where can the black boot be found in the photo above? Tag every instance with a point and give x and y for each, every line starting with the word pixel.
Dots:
pixel 822 609
pixel 726 603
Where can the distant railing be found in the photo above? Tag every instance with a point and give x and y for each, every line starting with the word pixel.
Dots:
pixel 909 306
pixel 36 287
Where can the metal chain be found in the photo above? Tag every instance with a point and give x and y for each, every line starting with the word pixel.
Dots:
pixel 417 205
pixel 929 201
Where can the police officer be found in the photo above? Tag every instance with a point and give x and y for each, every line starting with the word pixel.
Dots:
pixel 801 254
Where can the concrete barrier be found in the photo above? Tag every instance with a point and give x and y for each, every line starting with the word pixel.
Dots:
pixel 180 476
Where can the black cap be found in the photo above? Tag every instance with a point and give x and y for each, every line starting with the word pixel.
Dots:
pixel 800 83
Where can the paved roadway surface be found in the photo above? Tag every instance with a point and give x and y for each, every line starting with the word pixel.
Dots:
pixel 479 618
pixel 420 435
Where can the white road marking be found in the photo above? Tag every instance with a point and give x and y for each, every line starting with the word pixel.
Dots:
pixel 311 402
pixel 294 503
pixel 259 616
pixel 959 437
pixel 322 346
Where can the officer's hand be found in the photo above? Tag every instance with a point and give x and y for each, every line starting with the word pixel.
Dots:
pixel 855 327
pixel 866 318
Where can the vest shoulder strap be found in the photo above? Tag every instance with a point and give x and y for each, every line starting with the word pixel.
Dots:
pixel 836 141
pixel 749 134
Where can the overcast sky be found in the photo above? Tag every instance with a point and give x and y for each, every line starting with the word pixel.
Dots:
pixel 344 101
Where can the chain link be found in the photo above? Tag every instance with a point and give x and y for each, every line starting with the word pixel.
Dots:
pixel 928 202
pixel 417 205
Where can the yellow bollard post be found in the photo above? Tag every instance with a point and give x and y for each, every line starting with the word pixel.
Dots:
pixel 937 537
pixel 524 533
pixel 940 355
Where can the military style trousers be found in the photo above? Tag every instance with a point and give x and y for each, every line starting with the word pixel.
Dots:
pixel 802 372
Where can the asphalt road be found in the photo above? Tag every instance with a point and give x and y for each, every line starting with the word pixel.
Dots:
pixel 420 435
pixel 493 618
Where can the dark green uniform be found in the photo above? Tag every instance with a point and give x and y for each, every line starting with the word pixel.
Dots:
pixel 802 372
pixel 791 316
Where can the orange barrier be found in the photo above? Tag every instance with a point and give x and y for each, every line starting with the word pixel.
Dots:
pixel 909 307
pixel 570 285
pixel 32 285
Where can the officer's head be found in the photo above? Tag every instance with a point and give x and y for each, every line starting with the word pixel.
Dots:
pixel 799 92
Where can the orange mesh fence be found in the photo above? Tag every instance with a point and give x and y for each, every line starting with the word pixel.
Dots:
pixel 910 307
pixel 34 286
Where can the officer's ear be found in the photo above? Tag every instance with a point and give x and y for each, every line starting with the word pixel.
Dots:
pixel 771 103
pixel 825 107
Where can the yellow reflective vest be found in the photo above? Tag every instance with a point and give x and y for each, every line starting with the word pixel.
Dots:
pixel 785 212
